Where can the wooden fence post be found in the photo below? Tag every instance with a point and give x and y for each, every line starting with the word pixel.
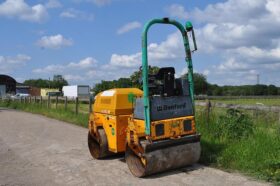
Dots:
pixel 49 99
pixel 77 105
pixel 208 109
pixel 65 103
pixel 30 99
pixel 56 102
pixel 41 101
pixel 89 105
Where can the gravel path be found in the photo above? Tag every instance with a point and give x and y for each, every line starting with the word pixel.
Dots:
pixel 36 150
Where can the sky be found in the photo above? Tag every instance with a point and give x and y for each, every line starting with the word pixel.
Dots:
pixel 87 41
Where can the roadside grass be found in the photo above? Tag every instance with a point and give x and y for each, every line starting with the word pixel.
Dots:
pixel 60 113
pixel 250 145
pixel 231 140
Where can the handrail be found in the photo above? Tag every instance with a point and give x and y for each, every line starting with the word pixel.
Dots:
pixel 145 69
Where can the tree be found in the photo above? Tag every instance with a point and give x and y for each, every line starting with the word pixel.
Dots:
pixel 201 86
pixel 105 85
pixel 137 75
pixel 58 82
pixel 200 83
pixel 133 81
pixel 272 90
pixel 40 83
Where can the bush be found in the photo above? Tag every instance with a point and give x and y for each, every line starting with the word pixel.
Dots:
pixel 234 125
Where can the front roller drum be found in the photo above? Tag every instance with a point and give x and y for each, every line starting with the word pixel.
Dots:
pixel 160 160
pixel 98 146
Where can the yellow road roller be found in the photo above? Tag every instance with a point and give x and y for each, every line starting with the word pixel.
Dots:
pixel 154 127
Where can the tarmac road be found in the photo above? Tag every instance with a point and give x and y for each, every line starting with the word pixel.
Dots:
pixel 36 150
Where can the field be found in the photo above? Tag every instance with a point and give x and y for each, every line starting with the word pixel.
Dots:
pixel 244 141
pixel 261 101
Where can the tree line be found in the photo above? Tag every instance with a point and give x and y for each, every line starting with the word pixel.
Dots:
pixel 57 82
pixel 201 86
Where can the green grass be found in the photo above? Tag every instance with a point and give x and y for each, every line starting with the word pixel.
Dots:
pixel 268 102
pixel 68 115
pixel 256 154
pixel 82 107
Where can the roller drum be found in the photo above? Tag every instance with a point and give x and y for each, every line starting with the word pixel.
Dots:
pixel 166 156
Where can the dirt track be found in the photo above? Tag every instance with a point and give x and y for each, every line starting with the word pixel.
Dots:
pixel 35 150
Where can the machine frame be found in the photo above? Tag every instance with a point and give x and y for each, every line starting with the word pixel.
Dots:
pixel 145 70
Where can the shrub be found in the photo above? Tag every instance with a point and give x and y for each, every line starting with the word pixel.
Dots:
pixel 234 125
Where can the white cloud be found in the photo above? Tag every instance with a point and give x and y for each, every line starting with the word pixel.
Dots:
pixel 49 69
pixel 128 27
pixel 85 71
pixel 169 49
pixel 244 43
pixel 255 19
pixel 21 10
pixel 178 11
pixel 245 10
pixel 54 42
pixel 126 60
pixel 53 4
pixel 100 2
pixel 9 63
pixel 84 64
pixel 76 14
pixel 231 65
pixel 206 72
pixel 70 77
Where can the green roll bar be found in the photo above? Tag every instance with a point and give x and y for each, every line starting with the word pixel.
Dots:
pixel 145 70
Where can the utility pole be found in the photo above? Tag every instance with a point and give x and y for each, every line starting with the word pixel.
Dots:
pixel 258 79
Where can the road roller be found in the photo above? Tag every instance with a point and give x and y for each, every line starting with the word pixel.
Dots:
pixel 154 127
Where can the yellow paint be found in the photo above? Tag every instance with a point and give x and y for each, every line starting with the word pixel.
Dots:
pixel 115 101
pixel 173 128
pixel 111 112
pixel 44 91
pixel 114 112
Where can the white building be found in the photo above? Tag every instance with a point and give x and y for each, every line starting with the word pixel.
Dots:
pixel 76 91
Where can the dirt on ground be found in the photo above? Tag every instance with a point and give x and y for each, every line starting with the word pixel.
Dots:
pixel 36 150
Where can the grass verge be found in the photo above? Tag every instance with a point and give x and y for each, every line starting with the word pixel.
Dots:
pixel 241 142
pixel 69 115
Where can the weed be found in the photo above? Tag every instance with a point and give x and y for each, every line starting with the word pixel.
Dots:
pixel 234 125
pixel 235 140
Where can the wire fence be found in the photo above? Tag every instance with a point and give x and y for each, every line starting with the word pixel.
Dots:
pixel 81 104
pixel 54 102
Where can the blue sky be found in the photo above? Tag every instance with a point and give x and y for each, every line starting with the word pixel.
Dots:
pixel 92 40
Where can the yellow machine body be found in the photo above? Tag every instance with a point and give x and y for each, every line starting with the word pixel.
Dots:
pixel 111 110
pixel 173 128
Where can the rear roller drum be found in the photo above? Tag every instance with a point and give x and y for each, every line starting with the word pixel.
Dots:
pixel 98 147
pixel 134 163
